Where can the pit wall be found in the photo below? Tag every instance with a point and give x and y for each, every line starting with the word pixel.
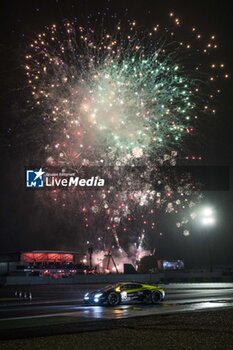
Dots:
pixel 163 277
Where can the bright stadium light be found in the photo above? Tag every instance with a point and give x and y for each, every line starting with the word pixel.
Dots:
pixel 208 220
pixel 207 212
pixel 207 217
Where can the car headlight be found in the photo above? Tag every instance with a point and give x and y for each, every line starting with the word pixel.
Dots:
pixel 86 296
pixel 98 295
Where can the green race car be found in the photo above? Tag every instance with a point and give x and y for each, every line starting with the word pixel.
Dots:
pixel 125 292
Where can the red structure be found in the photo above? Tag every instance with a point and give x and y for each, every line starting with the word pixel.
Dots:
pixel 52 263
pixel 48 257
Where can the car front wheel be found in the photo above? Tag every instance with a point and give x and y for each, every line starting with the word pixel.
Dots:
pixel 113 299
pixel 155 297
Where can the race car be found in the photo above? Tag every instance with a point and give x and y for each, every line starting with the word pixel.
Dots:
pixel 123 293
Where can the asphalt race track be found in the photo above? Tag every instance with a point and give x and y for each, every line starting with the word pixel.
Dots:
pixel 57 304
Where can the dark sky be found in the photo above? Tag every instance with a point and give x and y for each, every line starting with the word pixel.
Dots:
pixel 19 226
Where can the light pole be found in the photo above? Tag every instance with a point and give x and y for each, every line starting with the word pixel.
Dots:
pixel 208 220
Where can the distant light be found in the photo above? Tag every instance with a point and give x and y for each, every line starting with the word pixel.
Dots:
pixel 208 221
pixel 207 211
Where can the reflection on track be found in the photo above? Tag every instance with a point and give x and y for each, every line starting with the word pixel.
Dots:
pixel 125 311
pixel 178 299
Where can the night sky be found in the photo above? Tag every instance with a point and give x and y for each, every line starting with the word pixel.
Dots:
pixel 23 224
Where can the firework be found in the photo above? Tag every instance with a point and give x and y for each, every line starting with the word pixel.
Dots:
pixel 123 99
